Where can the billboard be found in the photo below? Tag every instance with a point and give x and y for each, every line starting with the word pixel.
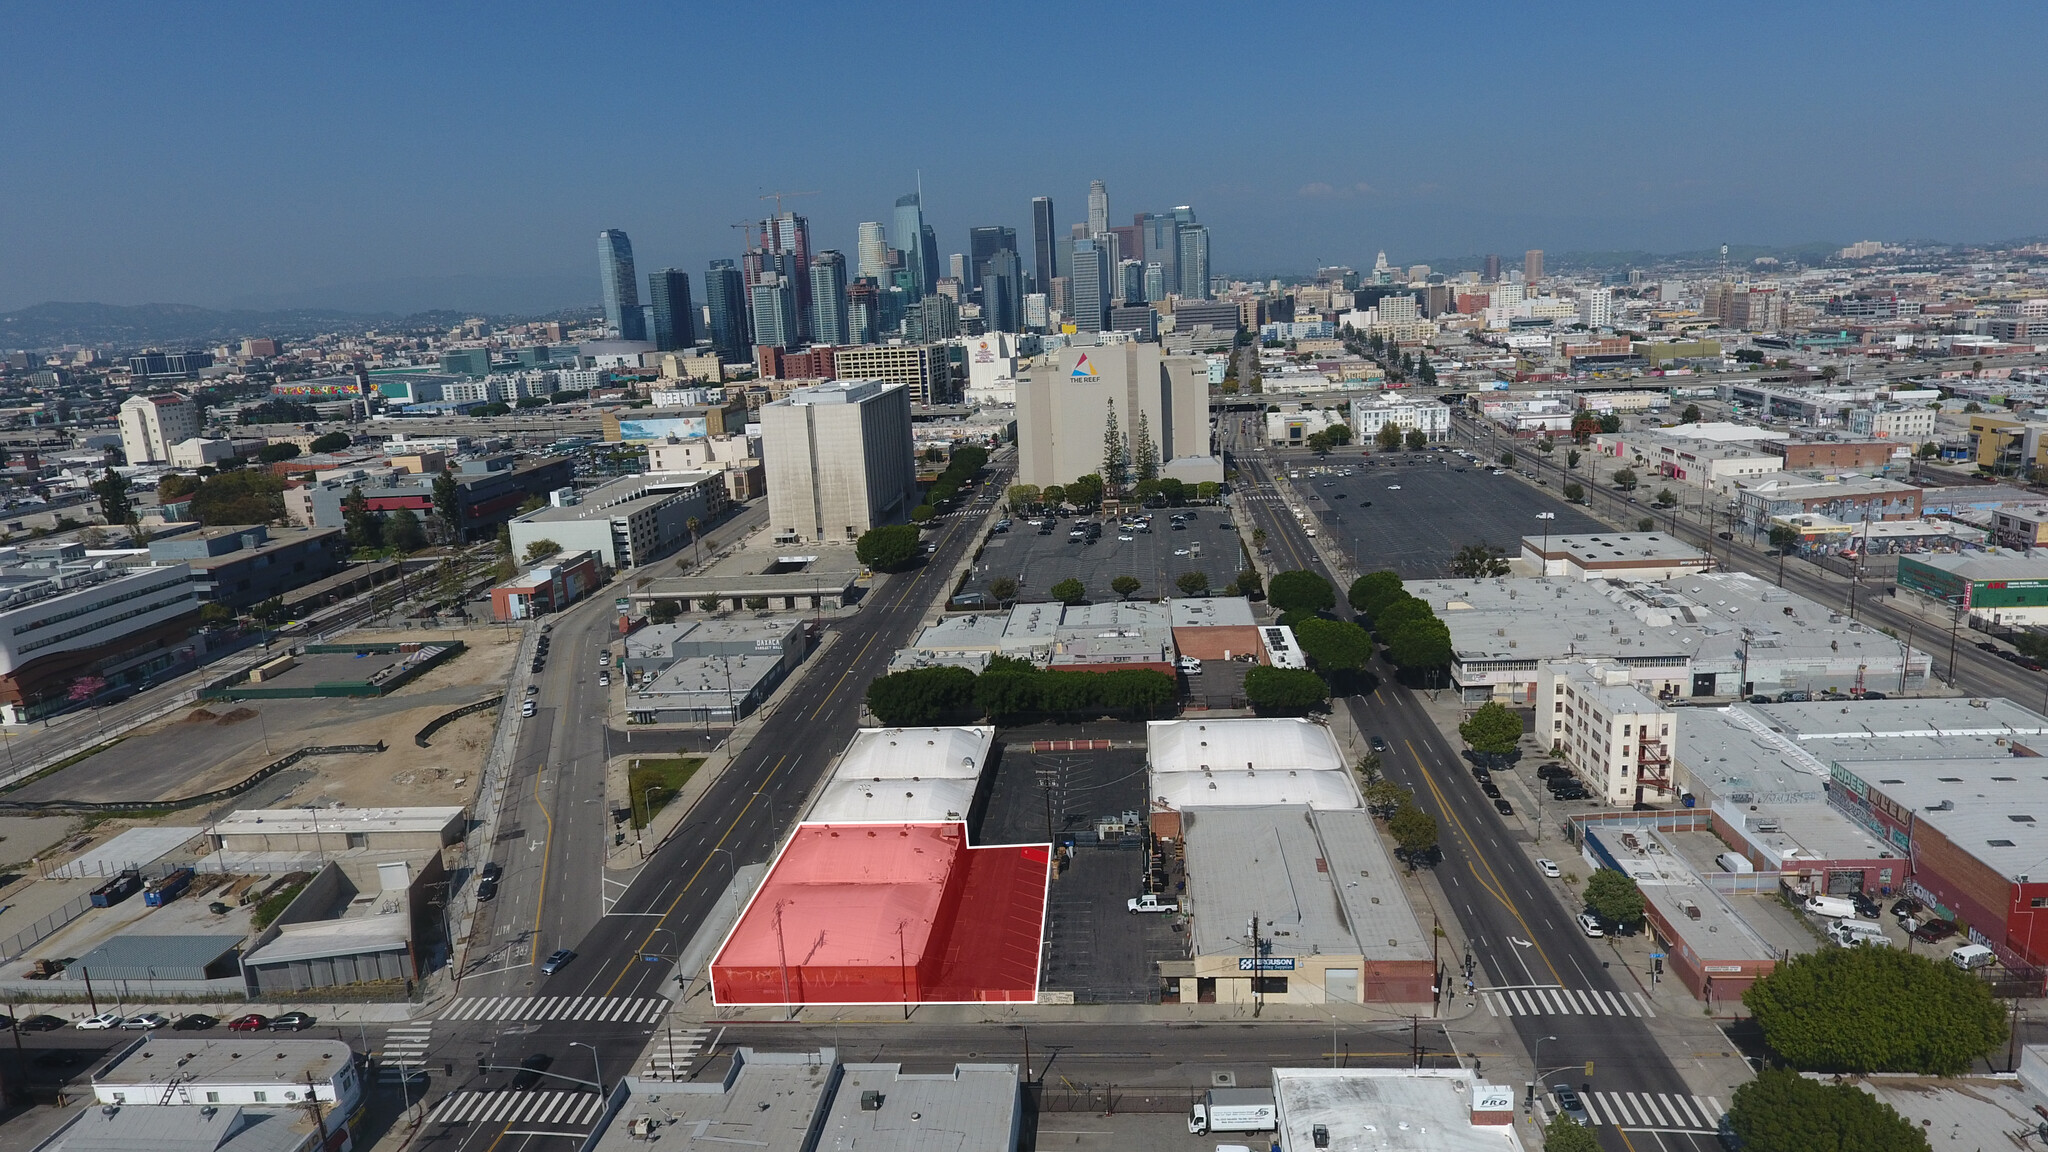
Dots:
pixel 334 387
pixel 680 427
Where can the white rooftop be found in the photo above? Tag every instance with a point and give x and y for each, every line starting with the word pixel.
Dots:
pixel 916 753
pixel 1392 1109
pixel 899 801
pixel 1722 431
pixel 1198 763
pixel 291 821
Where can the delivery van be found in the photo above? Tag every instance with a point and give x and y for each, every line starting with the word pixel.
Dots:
pixel 1970 957
pixel 1833 907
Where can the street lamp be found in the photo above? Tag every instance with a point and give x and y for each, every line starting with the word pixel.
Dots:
pixel 594 1069
pixel 1536 1066
pixel 733 874
pixel 1546 517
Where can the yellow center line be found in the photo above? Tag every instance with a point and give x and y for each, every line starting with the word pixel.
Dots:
pixel 730 828
pixel 843 675
pixel 1496 888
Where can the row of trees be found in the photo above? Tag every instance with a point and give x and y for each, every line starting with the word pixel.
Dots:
pixel 1088 491
pixel 967 460
pixel 1009 690
pixel 1414 638
pixel 1390 438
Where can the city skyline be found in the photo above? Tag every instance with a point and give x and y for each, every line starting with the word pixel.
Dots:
pixel 397 218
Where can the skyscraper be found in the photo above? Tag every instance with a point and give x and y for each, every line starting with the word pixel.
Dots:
pixel 1042 268
pixel 907 232
pixel 828 299
pixel 1532 265
pixel 785 243
pixel 931 258
pixel 863 311
pixel 1194 261
pixel 668 292
pixel 872 251
pixel 725 295
pixel 1160 234
pixel 1491 273
pixel 1098 208
pixel 1088 289
pixel 1130 281
pixel 956 267
pixel 621 285
pixel 1002 292
pixel 983 242
pixel 774 307
pixel 1155 282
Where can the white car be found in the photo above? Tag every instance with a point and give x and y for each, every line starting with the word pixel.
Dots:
pixel 1126 538
pixel 1393 487
pixel 526 709
pixel 1590 925
pixel 1180 551
pixel 103 1020
pixel 1191 665
pixel 1548 868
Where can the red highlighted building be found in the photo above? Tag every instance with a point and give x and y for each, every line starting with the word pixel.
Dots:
pixel 889 914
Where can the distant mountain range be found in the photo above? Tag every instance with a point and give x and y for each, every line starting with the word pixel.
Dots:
pixel 127 327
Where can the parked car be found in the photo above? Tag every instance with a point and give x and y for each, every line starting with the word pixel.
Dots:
pixel 1504 808
pixel 43 1023
pixel 292 1022
pixel 1934 930
pixel 1866 907
pixel 147 1022
pixel 1590 924
pixel 1491 790
pixel 253 1022
pixel 1152 903
pixel 195 1022
pixel 527 708
pixel 1548 868
pixel 487 889
pixel 101 1021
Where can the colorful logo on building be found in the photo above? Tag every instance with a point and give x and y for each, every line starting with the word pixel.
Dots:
pixel 1083 370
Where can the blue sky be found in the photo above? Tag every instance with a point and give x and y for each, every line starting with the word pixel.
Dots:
pixel 399 156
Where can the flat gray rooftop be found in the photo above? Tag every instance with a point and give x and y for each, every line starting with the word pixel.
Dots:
pixel 973 1108
pixel 1322 877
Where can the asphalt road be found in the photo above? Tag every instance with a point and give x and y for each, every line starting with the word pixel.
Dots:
pixel 1521 934
pixel 599 1006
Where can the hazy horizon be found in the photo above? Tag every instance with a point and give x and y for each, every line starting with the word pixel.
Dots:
pixel 395 159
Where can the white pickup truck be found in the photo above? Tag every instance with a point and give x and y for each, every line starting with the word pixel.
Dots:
pixel 1151 903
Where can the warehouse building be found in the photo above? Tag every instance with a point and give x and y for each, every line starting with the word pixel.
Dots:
pixel 1996 585
pixel 1613 556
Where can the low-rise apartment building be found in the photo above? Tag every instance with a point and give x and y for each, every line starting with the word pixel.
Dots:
pixel 1607 730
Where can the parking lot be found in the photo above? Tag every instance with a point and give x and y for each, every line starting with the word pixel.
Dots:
pixel 1094 947
pixel 1037 562
pixel 1416 528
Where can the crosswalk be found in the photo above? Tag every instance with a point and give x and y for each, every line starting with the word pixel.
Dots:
pixel 565 1110
pixel 1649 1111
pixel 404 1052
pixel 1554 1000
pixel 674 1052
pixel 595 1009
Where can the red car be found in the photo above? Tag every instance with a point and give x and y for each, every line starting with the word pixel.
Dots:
pixel 250 1023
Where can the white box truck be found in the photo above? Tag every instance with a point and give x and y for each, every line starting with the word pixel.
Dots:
pixel 1832 907
pixel 1969 957
pixel 1234 1110
pixel 1734 862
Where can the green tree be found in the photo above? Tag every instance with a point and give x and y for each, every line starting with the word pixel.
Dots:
pixel 1610 423
pixel 1782 1111
pixel 1625 479
pixel 403 532
pixel 1144 450
pixel 1021 496
pixel 1645 523
pixel 1069 591
pixel 1334 645
pixel 1125 585
pixel 332 442
pixel 1284 691
pixel 1302 592
pixel 1115 455
pixel 216 613
pixel 1614 897
pixel 245 496
pixel 1425 371
pixel 540 550
pixel 1003 588
pixel 1339 433
pixel 1930 450
pixel 1250 585
pixel 1086 491
pixel 269 613
pixel 664 611
pixel 1666 497
pixel 1384 797
pixel 888 548
pixel 1417 441
pixel 448 507
pixel 112 490
pixel 1572 458
pixel 1389 437
pixel 1054 495
pixel 922 696
pixel 1136 692
pixel 1876 1010
pixel 1319 443
pixel 923 513
pixel 1192 583
pixel 1493 727
pixel 278 453
pixel 1507 459
pixel 1006 694
pixel 176 486
pixel 1374 591
pixel 1413 829
pixel 1783 538
pixel 1574 492
pixel 1420 645
pixel 1691 415
pixel 1479 560
pixel 1207 491
pixel 1564 1134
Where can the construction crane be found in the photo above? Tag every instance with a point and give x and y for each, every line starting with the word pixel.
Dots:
pixel 778 196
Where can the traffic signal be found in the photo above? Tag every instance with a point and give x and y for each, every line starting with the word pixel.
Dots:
pixel 1589 1067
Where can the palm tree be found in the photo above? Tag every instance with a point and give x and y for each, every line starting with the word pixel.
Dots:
pixel 693 540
